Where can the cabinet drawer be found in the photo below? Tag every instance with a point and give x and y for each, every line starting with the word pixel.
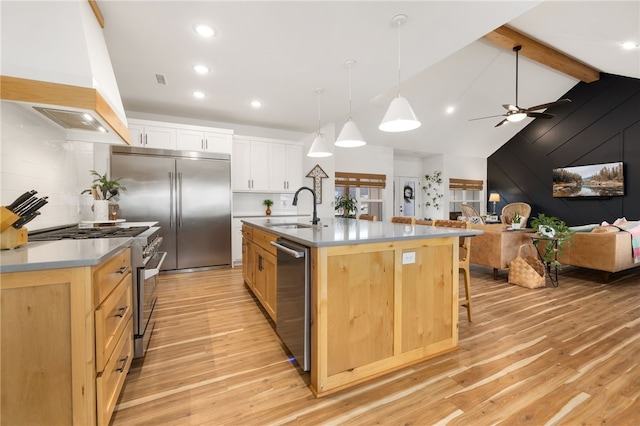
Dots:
pixel 263 239
pixel 247 232
pixel 112 317
pixel 108 274
pixel 109 383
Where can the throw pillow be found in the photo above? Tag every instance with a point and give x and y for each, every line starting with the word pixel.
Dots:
pixel 606 228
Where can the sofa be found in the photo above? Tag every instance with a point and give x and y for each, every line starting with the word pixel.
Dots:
pixel 496 247
pixel 604 248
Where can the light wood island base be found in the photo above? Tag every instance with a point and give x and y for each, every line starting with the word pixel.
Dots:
pixel 373 312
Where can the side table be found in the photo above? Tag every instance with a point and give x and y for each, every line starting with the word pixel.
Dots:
pixel 550 246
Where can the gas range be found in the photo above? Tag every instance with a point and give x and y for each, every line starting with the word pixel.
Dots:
pixel 146 261
pixel 78 233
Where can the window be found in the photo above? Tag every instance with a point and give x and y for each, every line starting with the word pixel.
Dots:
pixel 367 189
pixel 465 191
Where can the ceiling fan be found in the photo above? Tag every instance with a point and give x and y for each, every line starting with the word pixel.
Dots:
pixel 515 113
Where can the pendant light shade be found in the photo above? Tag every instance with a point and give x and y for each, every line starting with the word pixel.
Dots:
pixel 319 147
pixel 350 136
pixel 400 116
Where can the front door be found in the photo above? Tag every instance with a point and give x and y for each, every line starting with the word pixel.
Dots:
pixel 408 198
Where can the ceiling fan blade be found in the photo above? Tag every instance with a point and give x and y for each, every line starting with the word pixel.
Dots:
pixel 490 116
pixel 548 105
pixel 540 115
pixel 501 123
pixel 510 107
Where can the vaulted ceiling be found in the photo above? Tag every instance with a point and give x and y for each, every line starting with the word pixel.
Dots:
pixel 279 52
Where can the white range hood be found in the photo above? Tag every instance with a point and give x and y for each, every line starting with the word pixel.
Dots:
pixel 55 63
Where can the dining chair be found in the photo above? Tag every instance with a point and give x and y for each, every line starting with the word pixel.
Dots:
pixel 404 219
pixel 372 218
pixel 463 258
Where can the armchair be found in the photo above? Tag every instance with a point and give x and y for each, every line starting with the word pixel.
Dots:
pixel 523 209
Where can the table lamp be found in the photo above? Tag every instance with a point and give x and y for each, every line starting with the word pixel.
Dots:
pixel 494 198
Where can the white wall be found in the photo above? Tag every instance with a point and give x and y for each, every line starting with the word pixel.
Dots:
pixel 431 165
pixel 369 159
pixel 34 155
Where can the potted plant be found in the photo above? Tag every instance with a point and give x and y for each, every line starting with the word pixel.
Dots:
pixel 346 205
pixel 104 190
pixel 515 221
pixel 108 188
pixel 557 234
pixel 268 203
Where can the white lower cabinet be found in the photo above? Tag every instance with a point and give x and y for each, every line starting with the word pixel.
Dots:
pixel 236 242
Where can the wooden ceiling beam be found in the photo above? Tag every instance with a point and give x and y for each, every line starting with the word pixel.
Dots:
pixel 508 38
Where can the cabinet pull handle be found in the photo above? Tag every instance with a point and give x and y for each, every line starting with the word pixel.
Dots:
pixel 141 142
pixel 121 311
pixel 249 183
pixel 122 270
pixel 124 364
pixel 259 263
pixel 145 139
pixel 206 144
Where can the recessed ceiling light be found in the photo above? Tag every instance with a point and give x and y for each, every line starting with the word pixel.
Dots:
pixel 201 69
pixel 204 30
pixel 198 95
pixel 628 45
pixel 256 104
pixel 450 109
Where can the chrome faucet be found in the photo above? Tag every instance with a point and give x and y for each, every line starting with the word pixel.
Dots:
pixel 315 219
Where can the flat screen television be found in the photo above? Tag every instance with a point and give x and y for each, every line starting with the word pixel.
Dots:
pixel 594 180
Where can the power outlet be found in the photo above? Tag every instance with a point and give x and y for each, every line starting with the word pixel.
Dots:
pixel 409 257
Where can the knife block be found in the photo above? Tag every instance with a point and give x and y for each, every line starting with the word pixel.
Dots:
pixel 11 237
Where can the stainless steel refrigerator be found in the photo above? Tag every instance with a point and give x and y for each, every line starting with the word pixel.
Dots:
pixel 189 193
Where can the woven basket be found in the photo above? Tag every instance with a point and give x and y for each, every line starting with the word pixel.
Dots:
pixel 527 271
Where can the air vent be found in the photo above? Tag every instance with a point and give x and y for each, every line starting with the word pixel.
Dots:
pixel 161 79
pixel 72 119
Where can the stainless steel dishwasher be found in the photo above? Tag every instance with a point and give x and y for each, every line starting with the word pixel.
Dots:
pixel 293 321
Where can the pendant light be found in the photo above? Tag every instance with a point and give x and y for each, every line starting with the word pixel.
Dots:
pixel 319 147
pixel 350 136
pixel 399 117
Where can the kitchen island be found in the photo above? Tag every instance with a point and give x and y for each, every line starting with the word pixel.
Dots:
pixel 383 295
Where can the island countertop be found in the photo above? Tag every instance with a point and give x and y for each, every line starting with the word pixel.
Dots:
pixel 342 231
pixel 39 255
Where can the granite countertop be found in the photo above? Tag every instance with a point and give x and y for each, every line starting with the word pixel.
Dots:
pixel 40 255
pixel 339 231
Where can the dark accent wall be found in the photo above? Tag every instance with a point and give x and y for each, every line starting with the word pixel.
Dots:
pixel 600 125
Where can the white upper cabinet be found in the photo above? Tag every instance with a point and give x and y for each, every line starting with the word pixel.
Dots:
pixel 150 136
pixel 266 165
pixel 184 137
pixel 209 141
pixel 286 167
pixel 250 165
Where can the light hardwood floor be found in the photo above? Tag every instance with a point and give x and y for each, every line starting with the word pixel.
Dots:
pixel 566 355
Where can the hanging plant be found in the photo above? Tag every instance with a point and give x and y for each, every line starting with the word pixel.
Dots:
pixel 433 190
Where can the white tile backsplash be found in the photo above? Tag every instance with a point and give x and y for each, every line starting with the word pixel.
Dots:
pixel 249 203
pixel 34 155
